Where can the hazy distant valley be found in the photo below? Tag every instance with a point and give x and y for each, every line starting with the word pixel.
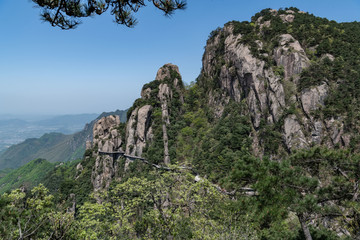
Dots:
pixel 15 129
pixel 56 139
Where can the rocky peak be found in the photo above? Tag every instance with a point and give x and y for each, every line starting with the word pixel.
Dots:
pixel 156 96
pixel 288 17
pixel 166 71
pixel 268 83
pixel 242 76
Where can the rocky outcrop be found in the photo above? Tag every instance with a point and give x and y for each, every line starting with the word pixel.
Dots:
pixel 313 98
pixel 294 135
pixel 328 131
pixel 165 95
pixel 139 128
pixel 88 145
pixel 287 18
pixel 107 142
pixel 244 77
pixel 79 169
pixel 106 137
pixel 109 145
pixel 143 129
pixel 335 128
pixel 72 199
pixel 291 56
pixel 165 72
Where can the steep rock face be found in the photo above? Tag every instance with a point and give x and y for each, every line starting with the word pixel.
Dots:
pixel 313 98
pixel 294 135
pixel 165 95
pixel 107 141
pixel 243 76
pixel 152 112
pixel 270 90
pixel 138 130
pixel 106 137
pixel 155 96
pixel 291 56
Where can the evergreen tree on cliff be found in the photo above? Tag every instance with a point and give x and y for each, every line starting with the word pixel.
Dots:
pixel 66 14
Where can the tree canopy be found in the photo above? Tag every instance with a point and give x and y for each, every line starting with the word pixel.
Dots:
pixel 67 14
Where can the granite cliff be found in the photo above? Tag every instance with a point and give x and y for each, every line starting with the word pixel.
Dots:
pixel 264 77
pixel 271 92
pixel 276 102
pixel 150 116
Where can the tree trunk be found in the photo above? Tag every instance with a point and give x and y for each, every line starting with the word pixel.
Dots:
pixel 20 232
pixel 356 191
pixel 304 227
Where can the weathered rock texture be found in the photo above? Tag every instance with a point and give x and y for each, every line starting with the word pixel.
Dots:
pixel 107 142
pixel 269 92
pixel 165 95
pixel 109 145
pixel 158 94
pixel 291 56
pixel 138 131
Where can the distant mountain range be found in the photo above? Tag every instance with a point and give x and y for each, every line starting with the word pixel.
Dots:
pixel 54 146
pixel 15 129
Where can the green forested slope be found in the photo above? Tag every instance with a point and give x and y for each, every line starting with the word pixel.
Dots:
pixel 54 147
pixel 26 176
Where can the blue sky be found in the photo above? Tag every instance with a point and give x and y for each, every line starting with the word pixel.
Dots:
pixel 101 66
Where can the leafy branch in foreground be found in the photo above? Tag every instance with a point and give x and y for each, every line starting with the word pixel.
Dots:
pixel 66 14
pixel 33 215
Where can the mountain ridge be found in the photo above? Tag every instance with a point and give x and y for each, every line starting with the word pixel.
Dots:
pixel 55 147
pixel 16 129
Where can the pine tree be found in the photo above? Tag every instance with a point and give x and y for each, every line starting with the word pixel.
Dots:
pixel 66 14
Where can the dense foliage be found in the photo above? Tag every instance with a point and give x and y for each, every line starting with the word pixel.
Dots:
pixel 67 179
pixel 27 176
pixel 313 185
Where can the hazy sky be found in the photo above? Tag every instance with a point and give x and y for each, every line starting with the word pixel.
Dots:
pixel 101 66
